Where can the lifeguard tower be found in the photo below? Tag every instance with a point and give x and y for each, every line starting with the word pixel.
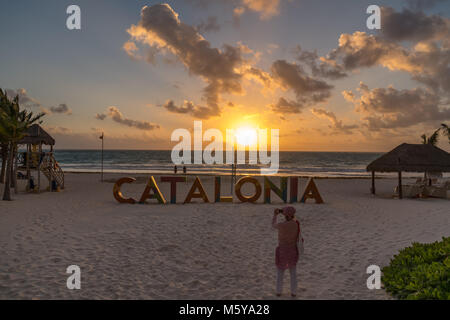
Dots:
pixel 35 159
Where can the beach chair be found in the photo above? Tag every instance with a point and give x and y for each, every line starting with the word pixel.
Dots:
pixel 436 192
pixel 412 191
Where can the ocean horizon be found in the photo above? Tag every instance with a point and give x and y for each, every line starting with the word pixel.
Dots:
pixel 301 163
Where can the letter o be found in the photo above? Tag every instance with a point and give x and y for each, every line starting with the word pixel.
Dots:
pixel 239 185
pixel 118 194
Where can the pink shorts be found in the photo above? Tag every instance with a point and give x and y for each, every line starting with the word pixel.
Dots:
pixel 286 257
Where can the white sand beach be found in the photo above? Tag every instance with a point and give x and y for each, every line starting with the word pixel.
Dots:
pixel 203 251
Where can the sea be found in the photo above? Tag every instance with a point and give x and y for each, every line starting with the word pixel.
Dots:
pixel 316 164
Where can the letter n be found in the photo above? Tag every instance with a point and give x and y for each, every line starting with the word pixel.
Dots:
pixel 280 192
pixel 293 190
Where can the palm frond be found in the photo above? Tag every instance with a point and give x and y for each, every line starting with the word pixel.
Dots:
pixel 446 129
pixel 424 139
pixel 434 138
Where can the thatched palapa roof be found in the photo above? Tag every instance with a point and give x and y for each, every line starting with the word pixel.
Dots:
pixel 36 135
pixel 413 158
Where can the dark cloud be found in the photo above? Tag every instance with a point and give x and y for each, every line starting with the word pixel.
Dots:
pixel 210 25
pixel 308 90
pixel 426 62
pixel 336 124
pixel 101 116
pixel 284 106
pixel 160 27
pixel 434 62
pixel 412 25
pixel 260 76
pixel 419 5
pixel 188 107
pixel 389 108
pixel 117 116
pixel 320 66
pixel 361 50
pixel 62 109
pixel 24 99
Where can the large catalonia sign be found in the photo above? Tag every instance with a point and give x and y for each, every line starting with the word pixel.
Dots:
pixel 197 191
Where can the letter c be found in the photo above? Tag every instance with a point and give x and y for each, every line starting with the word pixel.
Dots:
pixel 118 194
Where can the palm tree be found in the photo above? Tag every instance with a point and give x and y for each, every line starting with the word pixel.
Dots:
pixel 3 142
pixel 14 124
pixel 4 155
pixel 434 138
pixel 446 130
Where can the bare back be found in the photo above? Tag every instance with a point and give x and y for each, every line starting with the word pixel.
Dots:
pixel 287 232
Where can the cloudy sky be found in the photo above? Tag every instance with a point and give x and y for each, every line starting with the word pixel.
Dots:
pixel 140 69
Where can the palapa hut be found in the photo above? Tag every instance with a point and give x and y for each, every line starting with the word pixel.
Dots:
pixel 410 158
pixel 38 136
pixel 36 159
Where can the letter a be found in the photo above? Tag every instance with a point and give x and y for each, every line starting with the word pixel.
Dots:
pixel 311 192
pixel 374 21
pixel 374 281
pixel 200 194
pixel 74 281
pixel 74 20
pixel 152 186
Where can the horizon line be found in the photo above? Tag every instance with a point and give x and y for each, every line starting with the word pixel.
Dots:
pixel 309 151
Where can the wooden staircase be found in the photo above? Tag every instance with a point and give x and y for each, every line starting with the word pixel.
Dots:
pixel 51 169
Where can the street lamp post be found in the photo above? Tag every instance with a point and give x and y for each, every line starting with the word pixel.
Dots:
pixel 102 137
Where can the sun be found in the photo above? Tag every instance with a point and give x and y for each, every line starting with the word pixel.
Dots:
pixel 246 136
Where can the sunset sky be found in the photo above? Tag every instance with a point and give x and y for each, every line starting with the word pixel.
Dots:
pixel 140 69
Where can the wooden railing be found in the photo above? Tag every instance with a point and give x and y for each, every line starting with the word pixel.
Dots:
pixel 51 169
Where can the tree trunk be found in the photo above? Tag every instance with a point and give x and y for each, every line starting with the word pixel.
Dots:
pixel 4 153
pixel 13 148
pixel 7 190
pixel 16 156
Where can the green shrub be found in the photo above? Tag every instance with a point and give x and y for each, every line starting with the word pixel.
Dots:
pixel 421 271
